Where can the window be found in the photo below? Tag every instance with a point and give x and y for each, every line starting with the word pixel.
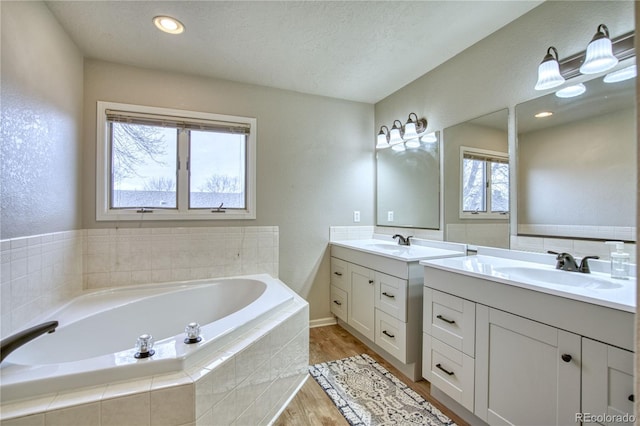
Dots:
pixel 158 163
pixel 484 184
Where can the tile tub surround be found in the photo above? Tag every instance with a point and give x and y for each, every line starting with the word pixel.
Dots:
pixel 39 272
pixel 124 256
pixel 249 381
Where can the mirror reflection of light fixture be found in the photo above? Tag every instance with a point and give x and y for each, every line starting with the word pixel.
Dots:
pixel 549 71
pixel 429 137
pixel 395 135
pixel 383 138
pixel 599 56
pixel 399 147
pixel 571 91
pixel 621 75
pixel 413 128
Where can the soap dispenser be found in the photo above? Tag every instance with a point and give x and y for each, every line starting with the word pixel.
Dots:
pixel 619 261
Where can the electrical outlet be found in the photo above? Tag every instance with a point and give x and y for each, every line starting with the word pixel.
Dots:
pixel 390 216
pixel 356 216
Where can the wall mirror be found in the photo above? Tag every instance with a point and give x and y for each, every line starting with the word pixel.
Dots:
pixel 476 181
pixel 576 168
pixel 408 185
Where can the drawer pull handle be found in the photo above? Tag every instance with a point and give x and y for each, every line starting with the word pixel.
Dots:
pixel 337 303
pixel 448 321
pixel 338 273
pixel 391 296
pixel 443 369
pixel 632 398
pixel 370 281
pixel 388 334
pixel 566 357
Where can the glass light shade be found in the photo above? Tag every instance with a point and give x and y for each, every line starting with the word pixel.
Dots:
pixel 399 147
pixel 599 57
pixel 410 131
pixel 571 91
pixel 549 74
pixel 413 143
pixel 382 141
pixel 395 137
pixel 621 75
pixel 430 137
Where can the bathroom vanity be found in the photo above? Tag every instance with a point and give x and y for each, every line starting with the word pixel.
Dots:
pixel 376 294
pixel 508 339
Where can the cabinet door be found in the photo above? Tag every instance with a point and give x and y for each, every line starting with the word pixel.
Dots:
pixel 362 300
pixel 607 381
pixel 528 373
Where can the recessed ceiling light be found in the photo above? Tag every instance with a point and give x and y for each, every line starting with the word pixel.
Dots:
pixel 571 91
pixel 168 24
pixel 543 114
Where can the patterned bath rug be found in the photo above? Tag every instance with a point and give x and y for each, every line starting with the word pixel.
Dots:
pixel 368 395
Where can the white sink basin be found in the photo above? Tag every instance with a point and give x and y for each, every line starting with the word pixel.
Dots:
pixel 556 277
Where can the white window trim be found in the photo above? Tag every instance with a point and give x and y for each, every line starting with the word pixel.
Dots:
pixel 480 215
pixel 103 212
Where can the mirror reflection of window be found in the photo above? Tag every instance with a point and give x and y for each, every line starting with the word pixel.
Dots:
pixel 484 182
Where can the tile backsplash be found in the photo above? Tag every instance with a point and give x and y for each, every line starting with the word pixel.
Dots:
pixel 41 271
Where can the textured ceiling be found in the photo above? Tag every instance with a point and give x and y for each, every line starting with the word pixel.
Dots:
pixel 355 50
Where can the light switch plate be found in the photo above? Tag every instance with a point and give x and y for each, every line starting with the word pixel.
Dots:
pixel 356 216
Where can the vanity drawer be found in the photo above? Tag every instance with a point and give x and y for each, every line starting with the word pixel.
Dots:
pixel 450 319
pixel 391 335
pixel 391 296
pixel 339 303
pixel 449 370
pixel 339 274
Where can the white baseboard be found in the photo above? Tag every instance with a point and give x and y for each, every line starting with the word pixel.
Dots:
pixel 322 322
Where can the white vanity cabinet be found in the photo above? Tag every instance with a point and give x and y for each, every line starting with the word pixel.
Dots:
pixel 528 373
pixel 607 381
pixel 361 314
pixel 531 358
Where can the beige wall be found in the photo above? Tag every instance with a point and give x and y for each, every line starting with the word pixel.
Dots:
pixel 41 121
pixel 314 162
pixel 578 173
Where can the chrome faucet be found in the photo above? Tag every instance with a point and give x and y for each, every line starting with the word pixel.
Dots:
pixel 403 241
pixel 566 262
pixel 14 341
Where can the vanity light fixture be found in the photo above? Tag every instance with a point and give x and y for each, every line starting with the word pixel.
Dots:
pixel 395 135
pixel 414 128
pixel 599 56
pixel 383 138
pixel 621 74
pixel 549 71
pixel 571 91
pixel 543 114
pixel 168 24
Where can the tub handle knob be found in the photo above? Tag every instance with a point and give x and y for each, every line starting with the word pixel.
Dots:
pixel 144 345
pixel 193 333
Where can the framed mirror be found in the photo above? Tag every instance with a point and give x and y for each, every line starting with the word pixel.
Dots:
pixel 408 185
pixel 476 181
pixel 576 165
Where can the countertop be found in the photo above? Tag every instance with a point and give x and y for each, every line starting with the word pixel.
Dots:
pixel 600 288
pixel 412 253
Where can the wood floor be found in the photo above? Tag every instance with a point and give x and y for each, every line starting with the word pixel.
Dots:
pixel 312 406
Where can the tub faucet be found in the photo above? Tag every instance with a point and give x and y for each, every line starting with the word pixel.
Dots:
pixel 566 262
pixel 403 241
pixel 13 342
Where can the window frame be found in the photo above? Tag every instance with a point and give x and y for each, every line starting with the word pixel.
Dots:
pixel 487 155
pixel 183 212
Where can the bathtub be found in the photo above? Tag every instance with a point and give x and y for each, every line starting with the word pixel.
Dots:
pixel 94 342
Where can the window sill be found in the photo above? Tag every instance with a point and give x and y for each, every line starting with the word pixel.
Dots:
pixel 485 216
pixel 131 215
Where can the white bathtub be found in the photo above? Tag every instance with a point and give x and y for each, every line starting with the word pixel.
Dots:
pixel 94 342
